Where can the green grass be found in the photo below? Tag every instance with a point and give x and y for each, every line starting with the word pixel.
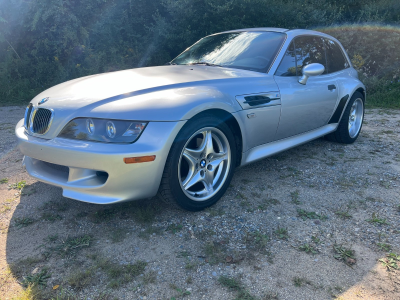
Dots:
pixel 391 261
pixel 282 233
pixel 343 214
pixel 19 185
pixel 295 197
pixel 237 286
pixel 174 228
pixel 375 219
pixel 24 222
pixel 51 217
pixel 300 281
pixel 347 255
pixel 4 180
pixel 384 247
pixel 307 248
pixel 304 215
pixel 69 247
pixel 256 240
pixel 81 278
pixel 38 279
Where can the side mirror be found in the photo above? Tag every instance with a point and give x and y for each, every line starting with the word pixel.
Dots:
pixel 311 70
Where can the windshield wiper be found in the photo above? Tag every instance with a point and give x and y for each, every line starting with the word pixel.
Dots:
pixel 204 63
pixel 170 63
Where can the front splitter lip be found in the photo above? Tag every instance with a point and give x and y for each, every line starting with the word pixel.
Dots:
pixel 124 182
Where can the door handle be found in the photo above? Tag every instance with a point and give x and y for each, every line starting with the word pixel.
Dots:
pixel 331 87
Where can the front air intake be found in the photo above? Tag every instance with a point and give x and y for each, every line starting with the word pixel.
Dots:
pixel 41 120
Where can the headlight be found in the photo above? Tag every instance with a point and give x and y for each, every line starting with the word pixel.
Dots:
pixel 102 130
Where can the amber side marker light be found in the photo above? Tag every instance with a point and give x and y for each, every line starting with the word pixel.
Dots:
pixel 141 159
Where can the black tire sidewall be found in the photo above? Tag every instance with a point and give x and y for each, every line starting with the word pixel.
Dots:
pixel 345 119
pixel 189 129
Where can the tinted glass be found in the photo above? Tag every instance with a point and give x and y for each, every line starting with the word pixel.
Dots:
pixel 287 66
pixel 309 50
pixel 244 50
pixel 334 56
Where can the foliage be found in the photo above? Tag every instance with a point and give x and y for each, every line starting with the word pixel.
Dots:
pixel 45 42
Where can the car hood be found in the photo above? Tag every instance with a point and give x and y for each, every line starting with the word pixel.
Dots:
pixel 113 86
pixel 155 94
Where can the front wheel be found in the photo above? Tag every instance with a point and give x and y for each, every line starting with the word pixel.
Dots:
pixel 350 125
pixel 200 164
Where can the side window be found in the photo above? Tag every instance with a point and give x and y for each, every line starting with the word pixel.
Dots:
pixel 334 56
pixel 309 49
pixel 287 66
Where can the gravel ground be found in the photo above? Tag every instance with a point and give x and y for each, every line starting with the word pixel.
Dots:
pixel 309 223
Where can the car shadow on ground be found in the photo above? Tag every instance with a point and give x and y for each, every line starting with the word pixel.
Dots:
pixel 270 233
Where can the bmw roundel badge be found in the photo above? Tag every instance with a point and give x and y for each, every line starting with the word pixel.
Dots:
pixel 43 100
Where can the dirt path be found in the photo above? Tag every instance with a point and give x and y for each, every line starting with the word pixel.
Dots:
pixel 309 223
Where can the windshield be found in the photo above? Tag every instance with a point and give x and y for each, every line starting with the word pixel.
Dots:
pixel 253 51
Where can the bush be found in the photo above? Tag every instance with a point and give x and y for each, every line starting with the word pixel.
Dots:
pixel 45 42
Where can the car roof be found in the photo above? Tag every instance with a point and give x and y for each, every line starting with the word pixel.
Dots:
pixel 257 29
pixel 293 32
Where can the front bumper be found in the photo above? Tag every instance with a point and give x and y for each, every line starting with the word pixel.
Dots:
pixel 95 172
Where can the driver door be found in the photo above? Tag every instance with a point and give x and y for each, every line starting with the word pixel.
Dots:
pixel 304 107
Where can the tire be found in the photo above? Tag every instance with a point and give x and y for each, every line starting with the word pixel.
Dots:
pixel 193 159
pixel 345 132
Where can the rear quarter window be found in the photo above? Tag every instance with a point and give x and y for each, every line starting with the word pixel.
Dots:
pixel 336 60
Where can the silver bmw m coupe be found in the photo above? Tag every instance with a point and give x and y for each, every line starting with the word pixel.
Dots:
pixel 180 130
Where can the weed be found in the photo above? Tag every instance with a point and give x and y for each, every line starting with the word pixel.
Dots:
pixel 145 213
pixel 189 280
pixel 51 217
pixel 190 266
pixel 307 248
pixel 315 239
pixel 230 282
pixel 271 296
pixel 295 197
pixel 376 220
pixel 174 228
pixel 398 208
pixel 300 281
pixel 5 208
pixel 81 279
pixel 267 202
pixel 51 238
pixel 38 279
pixel 22 266
pixel 19 185
pixel 181 292
pixel 23 222
pixel 137 268
pixel 70 246
pixel 310 215
pixel 343 214
pixel 391 261
pixel 4 180
pixel 384 247
pixel 282 233
pixel 256 240
pixel 237 286
pixel 344 254
pixel 149 277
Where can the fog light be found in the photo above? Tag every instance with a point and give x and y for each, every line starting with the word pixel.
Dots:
pixel 90 126
pixel 111 130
